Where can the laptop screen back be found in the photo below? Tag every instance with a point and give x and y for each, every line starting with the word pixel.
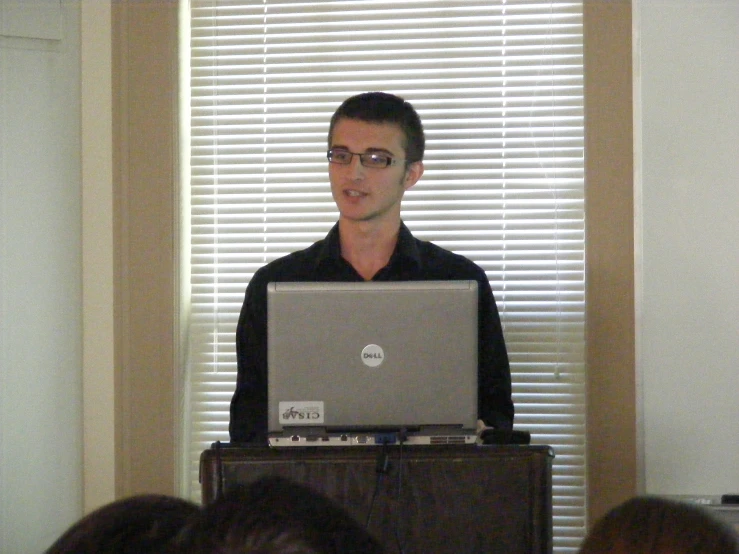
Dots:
pixel 372 355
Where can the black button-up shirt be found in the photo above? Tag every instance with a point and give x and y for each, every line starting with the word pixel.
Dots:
pixel 412 260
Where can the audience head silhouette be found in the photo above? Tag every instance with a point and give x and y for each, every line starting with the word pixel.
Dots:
pixel 143 524
pixel 653 525
pixel 275 515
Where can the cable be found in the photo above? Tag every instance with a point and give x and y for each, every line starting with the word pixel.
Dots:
pixel 382 466
pixel 402 436
pixel 219 471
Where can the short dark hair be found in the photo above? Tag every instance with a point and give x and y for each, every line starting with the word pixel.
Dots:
pixel 382 107
pixel 276 515
pixel 144 524
pixel 657 525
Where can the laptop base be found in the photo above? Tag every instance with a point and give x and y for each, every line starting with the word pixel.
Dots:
pixel 303 438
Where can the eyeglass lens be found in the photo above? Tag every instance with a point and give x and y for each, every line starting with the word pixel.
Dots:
pixel 367 159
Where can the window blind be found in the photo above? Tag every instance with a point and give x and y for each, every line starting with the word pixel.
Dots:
pixel 499 87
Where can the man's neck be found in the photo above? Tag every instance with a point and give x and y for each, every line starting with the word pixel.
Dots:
pixel 368 247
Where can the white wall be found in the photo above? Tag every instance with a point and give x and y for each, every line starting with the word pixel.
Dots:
pixel 40 274
pixel 687 99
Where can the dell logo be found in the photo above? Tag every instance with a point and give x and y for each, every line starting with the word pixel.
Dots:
pixel 372 355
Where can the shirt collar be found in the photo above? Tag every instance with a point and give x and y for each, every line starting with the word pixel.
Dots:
pixel 406 248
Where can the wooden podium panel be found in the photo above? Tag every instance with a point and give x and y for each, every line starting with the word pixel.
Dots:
pixel 432 499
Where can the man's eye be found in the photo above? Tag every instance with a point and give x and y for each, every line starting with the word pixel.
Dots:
pixel 380 160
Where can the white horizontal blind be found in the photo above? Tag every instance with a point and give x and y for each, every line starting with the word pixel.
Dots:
pixel 498 85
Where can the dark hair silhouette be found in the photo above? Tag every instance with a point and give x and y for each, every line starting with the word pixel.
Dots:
pixel 654 525
pixel 275 515
pixel 143 524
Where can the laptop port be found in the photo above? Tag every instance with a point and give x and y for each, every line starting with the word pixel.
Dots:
pixel 361 439
pixel 295 438
pixel 386 438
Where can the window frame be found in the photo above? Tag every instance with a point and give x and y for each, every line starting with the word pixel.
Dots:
pixel 152 449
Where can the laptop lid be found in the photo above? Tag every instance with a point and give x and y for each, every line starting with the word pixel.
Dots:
pixel 344 356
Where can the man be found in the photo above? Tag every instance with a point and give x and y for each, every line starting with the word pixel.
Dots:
pixel 376 146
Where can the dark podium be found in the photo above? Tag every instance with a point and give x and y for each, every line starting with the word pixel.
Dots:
pixel 431 500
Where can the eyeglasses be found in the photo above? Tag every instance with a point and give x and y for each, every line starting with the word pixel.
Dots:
pixel 375 160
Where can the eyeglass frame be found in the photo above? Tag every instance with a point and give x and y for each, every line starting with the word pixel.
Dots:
pixel 392 160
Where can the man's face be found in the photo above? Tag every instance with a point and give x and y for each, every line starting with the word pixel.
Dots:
pixel 365 193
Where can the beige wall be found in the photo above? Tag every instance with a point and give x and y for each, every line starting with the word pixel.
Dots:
pixel 146 184
pixel 146 207
pixel 609 239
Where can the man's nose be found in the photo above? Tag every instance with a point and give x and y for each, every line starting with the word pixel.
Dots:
pixel 356 168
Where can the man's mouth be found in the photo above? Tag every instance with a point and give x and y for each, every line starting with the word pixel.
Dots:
pixel 354 193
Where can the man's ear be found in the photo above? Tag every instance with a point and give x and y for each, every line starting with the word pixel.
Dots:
pixel 413 174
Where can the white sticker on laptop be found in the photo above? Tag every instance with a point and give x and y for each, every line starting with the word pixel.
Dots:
pixel 301 412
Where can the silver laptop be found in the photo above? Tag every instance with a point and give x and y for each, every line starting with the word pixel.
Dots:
pixel 370 363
